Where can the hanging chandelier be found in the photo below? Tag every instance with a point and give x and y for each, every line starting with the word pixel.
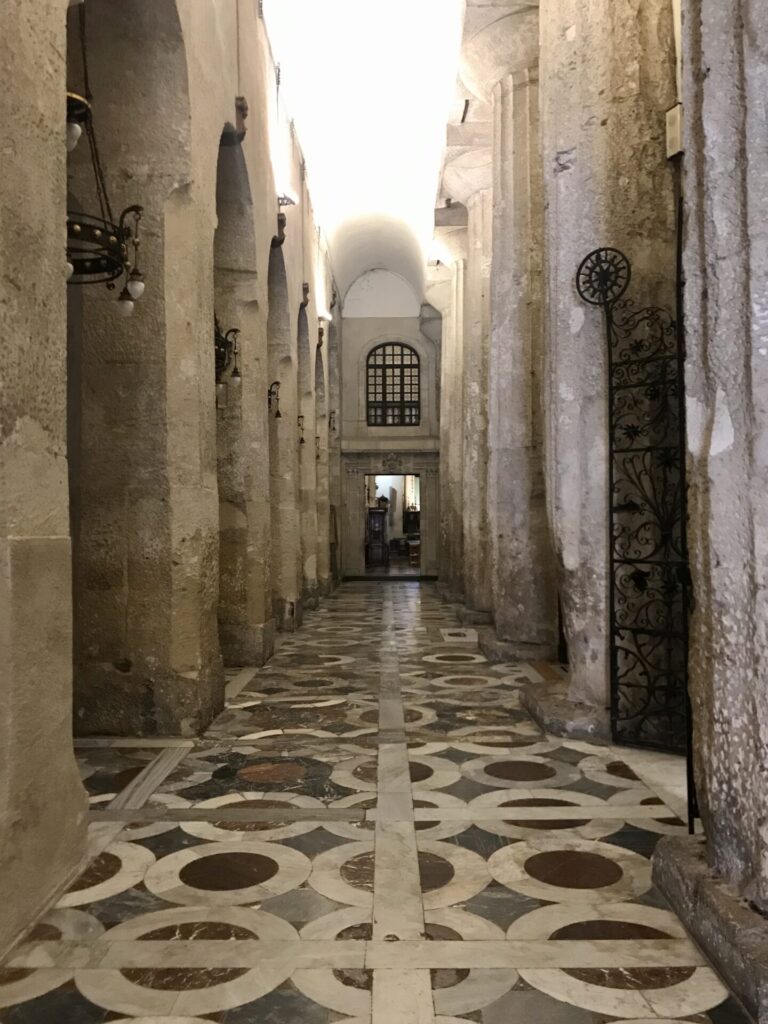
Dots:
pixel 100 249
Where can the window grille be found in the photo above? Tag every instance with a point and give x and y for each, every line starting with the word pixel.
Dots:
pixel 393 386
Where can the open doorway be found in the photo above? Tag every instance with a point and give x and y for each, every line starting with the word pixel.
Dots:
pixel 392 525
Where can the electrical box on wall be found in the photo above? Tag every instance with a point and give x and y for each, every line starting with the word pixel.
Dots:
pixel 675 131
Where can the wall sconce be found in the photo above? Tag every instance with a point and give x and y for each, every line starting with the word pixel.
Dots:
pixel 225 349
pixel 317 448
pixel 332 421
pixel 273 397
pixel 301 428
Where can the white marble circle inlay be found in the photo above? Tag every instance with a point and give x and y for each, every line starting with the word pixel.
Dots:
pixel 566 869
pixel 280 869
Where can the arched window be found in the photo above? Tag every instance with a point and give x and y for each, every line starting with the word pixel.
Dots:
pixel 394 398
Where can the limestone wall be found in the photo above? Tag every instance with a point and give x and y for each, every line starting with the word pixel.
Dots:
pixel 607 76
pixel 726 307
pixel 42 802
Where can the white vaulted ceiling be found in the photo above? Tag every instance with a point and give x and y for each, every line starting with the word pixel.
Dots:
pixel 370 86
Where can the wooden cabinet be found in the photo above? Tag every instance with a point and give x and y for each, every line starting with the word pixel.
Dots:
pixel 376 544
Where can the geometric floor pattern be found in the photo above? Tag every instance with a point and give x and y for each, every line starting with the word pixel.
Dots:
pixel 373 832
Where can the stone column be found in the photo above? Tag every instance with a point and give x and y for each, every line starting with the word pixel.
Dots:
pixel 323 472
pixel 726 303
pixel 475 541
pixel 146 547
pixel 43 808
pixel 500 65
pixel 334 447
pixel 447 293
pixel 246 627
pixel 467 179
pixel 522 557
pixel 607 78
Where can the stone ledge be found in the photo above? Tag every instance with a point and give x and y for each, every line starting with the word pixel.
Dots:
pixel 733 936
pixel 550 708
pixel 498 651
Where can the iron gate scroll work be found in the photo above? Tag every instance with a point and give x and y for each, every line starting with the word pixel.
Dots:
pixel 649 575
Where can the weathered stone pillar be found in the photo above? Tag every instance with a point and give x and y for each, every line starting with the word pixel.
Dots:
pixel 42 803
pixel 607 78
pixel 334 446
pixel 323 477
pixel 726 315
pixel 246 627
pixel 307 461
pixel 283 448
pixel 446 292
pixel 474 501
pixel 500 64
pixel 146 546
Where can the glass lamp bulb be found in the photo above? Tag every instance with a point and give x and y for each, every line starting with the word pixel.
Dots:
pixel 70 269
pixel 125 303
pixel 74 131
pixel 135 287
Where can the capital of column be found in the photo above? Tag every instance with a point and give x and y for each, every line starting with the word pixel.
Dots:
pixel 498 41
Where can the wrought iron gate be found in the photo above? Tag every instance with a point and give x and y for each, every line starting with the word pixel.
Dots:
pixel 649 576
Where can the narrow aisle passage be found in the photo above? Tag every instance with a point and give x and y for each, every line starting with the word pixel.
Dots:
pixel 372 832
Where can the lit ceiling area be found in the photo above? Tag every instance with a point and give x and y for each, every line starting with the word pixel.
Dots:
pixel 370 86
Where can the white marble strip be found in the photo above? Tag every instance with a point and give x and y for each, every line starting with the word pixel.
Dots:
pixel 88 742
pixel 402 997
pixel 419 955
pixel 574 812
pixel 398 910
pixel 239 682
pixel 246 814
pixel 137 792
pixel 392 806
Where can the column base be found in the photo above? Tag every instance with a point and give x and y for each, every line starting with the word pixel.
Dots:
pixel 470 617
pixel 549 706
pixel 497 650
pixel 449 595
pixel 310 597
pixel 732 935
pixel 289 615
pixel 248 645
pixel 111 702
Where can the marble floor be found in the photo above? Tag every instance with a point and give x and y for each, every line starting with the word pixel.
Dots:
pixel 373 832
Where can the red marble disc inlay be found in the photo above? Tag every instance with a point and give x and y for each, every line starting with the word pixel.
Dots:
pixel 544 823
pixel 434 871
pixel 221 872
pixel 573 869
pixel 358 872
pixel 273 771
pixel 180 979
pixel 445 977
pixel 419 771
pixel 622 977
pixel 520 771
pixel 350 976
pixel 367 772
pixel 105 866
